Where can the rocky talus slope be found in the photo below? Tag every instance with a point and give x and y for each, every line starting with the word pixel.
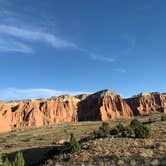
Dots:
pixel 103 105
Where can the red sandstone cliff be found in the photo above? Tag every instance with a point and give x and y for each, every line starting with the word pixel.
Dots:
pixel 103 105
pixel 37 113
pixel 145 103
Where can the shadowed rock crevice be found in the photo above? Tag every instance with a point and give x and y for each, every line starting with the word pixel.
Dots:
pixel 88 109
pixel 14 108
pixel 27 115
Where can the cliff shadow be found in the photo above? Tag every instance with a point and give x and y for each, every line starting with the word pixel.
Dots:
pixel 36 156
pixel 89 109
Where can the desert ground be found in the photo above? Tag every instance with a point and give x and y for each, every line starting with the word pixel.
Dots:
pixel 37 143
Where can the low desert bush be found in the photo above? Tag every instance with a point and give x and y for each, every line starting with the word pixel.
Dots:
pixel 127 132
pixel 114 131
pixel 102 132
pixel 105 128
pixel 135 123
pixel 96 134
pixel 142 131
pixel 122 131
pixel 135 129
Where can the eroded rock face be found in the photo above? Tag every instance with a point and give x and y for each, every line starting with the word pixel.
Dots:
pixel 145 103
pixel 103 105
pixel 37 113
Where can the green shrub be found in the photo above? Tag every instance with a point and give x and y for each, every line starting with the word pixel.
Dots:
pixel 123 131
pixel 135 123
pixel 127 132
pixel 142 131
pixel 97 134
pixel 74 144
pixel 102 132
pixel 105 128
pixel 93 135
pixel 115 131
pixel 163 118
pixel 120 127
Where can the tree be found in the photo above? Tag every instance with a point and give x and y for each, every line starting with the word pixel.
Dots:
pixel 74 144
pixel 19 159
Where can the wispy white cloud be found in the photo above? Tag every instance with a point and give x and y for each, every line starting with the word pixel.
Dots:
pixel 19 31
pixel 101 58
pixel 18 94
pixel 18 36
pixel 35 35
pixel 10 46
pixel 120 70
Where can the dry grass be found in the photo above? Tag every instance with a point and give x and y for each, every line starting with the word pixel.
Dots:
pixel 36 142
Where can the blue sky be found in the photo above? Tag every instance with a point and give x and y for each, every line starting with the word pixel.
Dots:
pixel 52 47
